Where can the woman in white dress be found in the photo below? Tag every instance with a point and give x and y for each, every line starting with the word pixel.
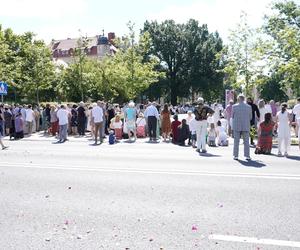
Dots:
pixel 284 131
pixel 221 135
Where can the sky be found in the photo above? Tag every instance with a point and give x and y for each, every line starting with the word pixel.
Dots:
pixel 60 19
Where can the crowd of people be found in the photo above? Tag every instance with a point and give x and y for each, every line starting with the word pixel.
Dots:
pixel 196 125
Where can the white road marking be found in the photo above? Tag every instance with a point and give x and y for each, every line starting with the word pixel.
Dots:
pixel 152 171
pixel 232 238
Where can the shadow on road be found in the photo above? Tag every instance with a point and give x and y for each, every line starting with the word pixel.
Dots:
pixel 129 141
pixel 253 164
pixel 293 157
pixel 208 155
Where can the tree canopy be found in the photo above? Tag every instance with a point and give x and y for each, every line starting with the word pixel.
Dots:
pixel 26 65
pixel 189 55
pixel 170 60
pixel 256 59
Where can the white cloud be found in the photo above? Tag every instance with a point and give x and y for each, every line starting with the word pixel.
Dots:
pixel 220 15
pixel 41 8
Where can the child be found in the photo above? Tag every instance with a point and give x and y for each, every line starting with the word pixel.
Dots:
pixel 221 135
pixel 140 126
pixel 116 125
pixel 224 123
pixel 212 135
pixel 111 138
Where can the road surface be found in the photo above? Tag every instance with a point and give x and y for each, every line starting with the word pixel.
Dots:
pixel 145 196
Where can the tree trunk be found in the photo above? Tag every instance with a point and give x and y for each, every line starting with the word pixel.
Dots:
pixel 174 88
pixel 37 95
pixel 174 93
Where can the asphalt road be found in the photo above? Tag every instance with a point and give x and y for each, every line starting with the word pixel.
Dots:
pixel 145 196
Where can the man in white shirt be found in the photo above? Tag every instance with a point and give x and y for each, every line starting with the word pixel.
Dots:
pixel 29 115
pixel 62 115
pixel 296 112
pixel 152 115
pixel 97 119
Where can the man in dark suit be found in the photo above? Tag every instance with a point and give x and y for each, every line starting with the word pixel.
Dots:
pixel 255 116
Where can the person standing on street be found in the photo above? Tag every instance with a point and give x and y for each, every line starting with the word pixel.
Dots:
pixel 130 119
pixel 152 115
pixel 37 117
pixel 47 118
pixel 228 112
pixel 29 119
pixel 7 119
pixel 97 120
pixel 104 129
pixel 62 115
pixel 241 117
pixel 81 118
pixel 284 130
pixel 255 117
pixel 296 112
pixel 2 129
pixel 53 120
pixel 165 122
pixel 201 112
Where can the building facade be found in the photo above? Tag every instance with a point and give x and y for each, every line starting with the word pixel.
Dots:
pixel 97 47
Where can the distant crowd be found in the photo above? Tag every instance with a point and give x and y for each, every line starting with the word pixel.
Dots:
pixel 196 125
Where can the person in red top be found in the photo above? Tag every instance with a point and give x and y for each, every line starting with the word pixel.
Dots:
pixel 265 133
pixel 175 124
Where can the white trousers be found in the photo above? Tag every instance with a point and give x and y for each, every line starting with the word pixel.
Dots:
pixel 201 130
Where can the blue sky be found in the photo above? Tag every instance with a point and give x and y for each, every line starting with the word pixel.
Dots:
pixel 60 19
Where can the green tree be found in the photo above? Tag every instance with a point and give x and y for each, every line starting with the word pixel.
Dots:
pixel 188 54
pixel 168 45
pixel 271 87
pixel 25 64
pixel 120 77
pixel 283 52
pixel 37 71
pixel 202 71
pixel 241 57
